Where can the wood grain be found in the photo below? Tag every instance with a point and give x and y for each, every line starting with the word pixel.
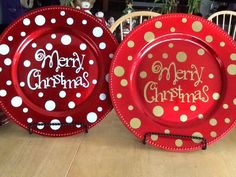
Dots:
pixel 108 150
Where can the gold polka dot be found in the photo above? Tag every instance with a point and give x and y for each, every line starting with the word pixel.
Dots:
pixel 119 95
pixel 181 56
pixel 213 122
pixel 119 71
pixel 193 108
pixel 200 116
pixel 211 76
pixel 213 134
pixel 171 45
pixel 201 52
pixel 222 44
pixel 216 96
pixel 135 123
pixel 165 55
pixel 176 108
pixel 158 24
pixel 197 134
pixel 233 56
pixel 167 131
pixel 124 82
pixel 179 143
pixel 131 44
pixel 154 137
pixel 232 69
pixel 227 120
pixel 130 108
pixel 209 38
pixel 183 118
pixel 143 74
pixel 225 106
pixel 197 26
pixel 149 36
pixel 150 56
pixel 130 58
pixel 184 20
pixel 172 29
pixel 158 111
pixel 234 101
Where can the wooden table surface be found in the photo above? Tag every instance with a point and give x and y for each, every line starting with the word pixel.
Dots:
pixel 108 150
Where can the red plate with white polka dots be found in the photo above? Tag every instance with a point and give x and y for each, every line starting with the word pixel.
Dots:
pixel 54 65
pixel 176 78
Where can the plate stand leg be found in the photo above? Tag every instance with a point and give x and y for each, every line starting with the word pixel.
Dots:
pixel 204 141
pixel 32 125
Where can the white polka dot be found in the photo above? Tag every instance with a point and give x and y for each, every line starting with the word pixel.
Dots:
pixel 22 84
pixel 111 55
pixel 40 125
pixel 66 40
pixel 216 96
pixel 98 32
pixel 99 109
pixel 78 126
pixel 27 63
pixel 26 22
pixel 62 94
pixel 23 34
pixel 50 105
pixel 78 95
pixel 16 101
pixel 0 69
pixel 107 77
pixel 211 76
pixel 10 38
pixel 29 120
pixel 225 106
pixel 71 105
pixel 62 13
pixel 53 20
pixel 53 36
pixel 69 119
pixel 91 62
pixel 102 45
pixel 193 108
pixel 55 124
pixel 3 93
pixel 25 110
pixel 34 45
pixel 92 117
pixel 9 82
pixel 70 21
pixel 94 81
pixel 83 46
pixel 7 61
pixel 102 96
pixel 4 49
pixel 49 46
pixel 84 22
pixel 40 20
pixel 40 94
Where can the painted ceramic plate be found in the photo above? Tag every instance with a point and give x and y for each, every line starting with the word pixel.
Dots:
pixel 176 78
pixel 54 65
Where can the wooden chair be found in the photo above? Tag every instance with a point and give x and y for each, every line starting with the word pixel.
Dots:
pixel 226 20
pixel 128 22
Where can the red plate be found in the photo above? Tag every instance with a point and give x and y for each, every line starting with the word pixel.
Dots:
pixel 176 78
pixel 54 65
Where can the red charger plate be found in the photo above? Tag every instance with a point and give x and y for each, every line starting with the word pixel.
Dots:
pixel 54 65
pixel 176 75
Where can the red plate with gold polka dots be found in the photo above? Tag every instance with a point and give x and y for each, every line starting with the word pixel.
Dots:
pixel 54 65
pixel 176 74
